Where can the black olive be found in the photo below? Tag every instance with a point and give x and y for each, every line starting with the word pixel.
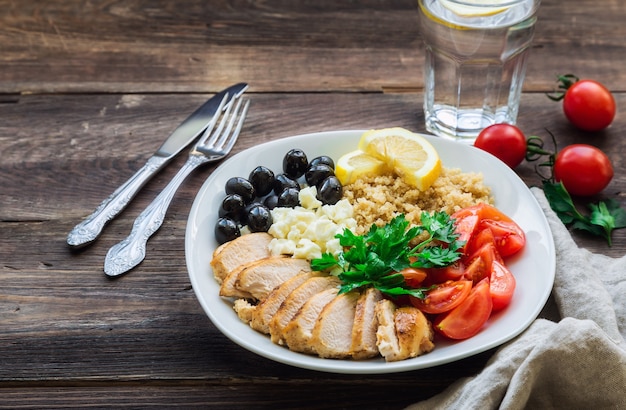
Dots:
pixel 226 230
pixel 262 179
pixel 330 191
pixel 317 173
pixel 242 187
pixel 259 218
pixel 271 201
pixel 295 163
pixel 289 198
pixel 282 182
pixel 232 207
pixel 322 159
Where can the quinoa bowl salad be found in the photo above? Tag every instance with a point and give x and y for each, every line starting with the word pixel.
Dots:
pixel 533 268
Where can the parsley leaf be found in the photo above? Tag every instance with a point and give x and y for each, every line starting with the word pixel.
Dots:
pixel 605 216
pixel 374 259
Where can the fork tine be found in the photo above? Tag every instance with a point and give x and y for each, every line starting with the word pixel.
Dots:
pixel 235 134
pixel 208 132
pixel 222 139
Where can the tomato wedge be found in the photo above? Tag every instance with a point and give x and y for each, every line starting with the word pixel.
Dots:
pixel 509 238
pixel 440 275
pixel 413 277
pixel 444 297
pixel 501 286
pixel 469 317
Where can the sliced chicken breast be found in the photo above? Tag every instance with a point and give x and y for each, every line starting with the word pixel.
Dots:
pixel 402 332
pixel 298 332
pixel 242 250
pixel 266 309
pixel 294 302
pixel 261 278
pixel 332 334
pixel 365 325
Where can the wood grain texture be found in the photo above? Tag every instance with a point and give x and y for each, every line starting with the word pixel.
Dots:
pixel 198 46
pixel 89 89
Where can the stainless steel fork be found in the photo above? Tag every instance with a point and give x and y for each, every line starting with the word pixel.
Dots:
pixel 212 146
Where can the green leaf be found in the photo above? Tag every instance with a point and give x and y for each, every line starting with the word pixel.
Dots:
pixel 374 259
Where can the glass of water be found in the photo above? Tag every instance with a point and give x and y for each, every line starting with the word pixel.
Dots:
pixel 476 52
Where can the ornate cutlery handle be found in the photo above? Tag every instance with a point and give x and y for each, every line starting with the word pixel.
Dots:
pixel 128 253
pixel 90 228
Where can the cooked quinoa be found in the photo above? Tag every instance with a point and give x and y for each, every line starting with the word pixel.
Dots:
pixel 377 199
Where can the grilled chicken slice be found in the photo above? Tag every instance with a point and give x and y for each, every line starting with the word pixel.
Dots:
pixel 265 310
pixel 365 325
pixel 261 278
pixel 240 251
pixel 402 332
pixel 332 334
pixel 298 332
pixel 294 302
pixel 228 288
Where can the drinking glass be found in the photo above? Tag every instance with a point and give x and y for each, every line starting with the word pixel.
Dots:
pixel 476 53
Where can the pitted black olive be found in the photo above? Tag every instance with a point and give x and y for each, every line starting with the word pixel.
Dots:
pixel 262 179
pixel 226 230
pixel 271 201
pixel 259 218
pixel 242 187
pixel 289 198
pixel 322 159
pixel 317 173
pixel 330 191
pixel 232 207
pixel 295 163
pixel 282 182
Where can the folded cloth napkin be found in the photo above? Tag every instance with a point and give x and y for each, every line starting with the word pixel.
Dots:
pixel 577 362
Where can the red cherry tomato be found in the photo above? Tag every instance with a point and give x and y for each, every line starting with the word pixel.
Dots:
pixel 501 285
pixel 509 238
pixel 583 169
pixel 504 141
pixel 589 105
pixel 469 317
pixel 413 277
pixel 444 297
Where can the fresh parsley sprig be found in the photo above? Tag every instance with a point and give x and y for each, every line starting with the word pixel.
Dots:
pixel 604 217
pixel 376 258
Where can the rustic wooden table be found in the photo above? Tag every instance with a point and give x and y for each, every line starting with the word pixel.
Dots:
pixel 88 89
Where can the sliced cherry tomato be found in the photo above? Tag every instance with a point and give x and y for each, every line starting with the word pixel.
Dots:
pixel 469 317
pixel 482 238
pixel 501 286
pixel 589 105
pixel 440 275
pixel 583 169
pixel 444 297
pixel 413 277
pixel 465 225
pixel 504 141
pixel 509 237
pixel 481 263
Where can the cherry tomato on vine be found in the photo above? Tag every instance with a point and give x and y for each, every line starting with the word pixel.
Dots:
pixel 589 105
pixel 583 169
pixel 504 141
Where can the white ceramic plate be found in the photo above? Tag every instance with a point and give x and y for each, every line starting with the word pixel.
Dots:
pixel 533 269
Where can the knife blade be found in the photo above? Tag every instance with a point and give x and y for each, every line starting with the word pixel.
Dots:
pixel 90 228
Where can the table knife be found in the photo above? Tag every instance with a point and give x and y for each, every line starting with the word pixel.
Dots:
pixel 90 228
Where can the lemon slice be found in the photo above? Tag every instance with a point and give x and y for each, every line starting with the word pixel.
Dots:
pixel 410 155
pixel 355 164
pixel 476 8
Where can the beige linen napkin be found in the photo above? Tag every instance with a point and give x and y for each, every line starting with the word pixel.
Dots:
pixel 578 362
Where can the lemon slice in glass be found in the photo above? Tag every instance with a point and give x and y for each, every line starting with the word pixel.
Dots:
pixel 476 8
pixel 410 155
pixel 357 163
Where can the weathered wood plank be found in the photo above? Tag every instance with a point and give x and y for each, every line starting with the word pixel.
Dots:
pixel 197 46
